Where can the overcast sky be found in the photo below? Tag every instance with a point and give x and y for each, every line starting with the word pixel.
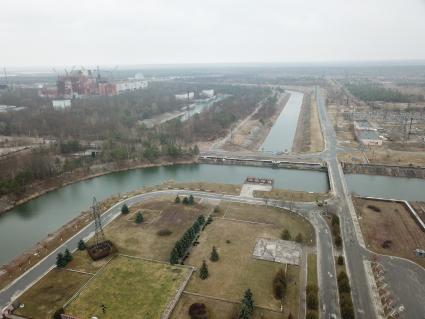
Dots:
pixel 110 32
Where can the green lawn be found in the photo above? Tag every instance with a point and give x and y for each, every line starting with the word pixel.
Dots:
pixel 130 288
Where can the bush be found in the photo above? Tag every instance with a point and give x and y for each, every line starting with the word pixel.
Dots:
pixel 338 241
pixel 198 311
pixel 57 314
pixel 340 260
pixel 191 200
pixel 81 245
pixel 312 301
pixel 346 304
pixel 124 209
pixel 203 272
pixel 311 315
pixel 177 200
pixel 164 232
pixel 335 220
pixel 286 235
pixel 185 201
pixel 279 285
pixel 216 209
pixel 299 238
pixel 67 256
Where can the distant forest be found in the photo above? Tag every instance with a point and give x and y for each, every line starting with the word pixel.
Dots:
pixel 369 91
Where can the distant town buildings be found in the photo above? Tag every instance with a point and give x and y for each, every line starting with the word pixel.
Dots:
pixel 366 134
pixel 207 93
pixel 185 96
pixel 86 83
pixel 61 104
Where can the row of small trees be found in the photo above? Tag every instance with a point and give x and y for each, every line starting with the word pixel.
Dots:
pixel 186 200
pixel 186 240
pixel 345 302
pixel 62 259
pixel 286 235
pixel 336 231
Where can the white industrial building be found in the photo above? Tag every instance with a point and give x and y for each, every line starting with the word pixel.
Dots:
pixel 61 104
pixel 185 96
pixel 207 93
pixel 133 85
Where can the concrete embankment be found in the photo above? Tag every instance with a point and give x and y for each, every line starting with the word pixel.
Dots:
pixel 262 163
pixel 384 170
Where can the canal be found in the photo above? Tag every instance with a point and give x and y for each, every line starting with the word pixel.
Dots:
pixel 281 135
pixel 29 223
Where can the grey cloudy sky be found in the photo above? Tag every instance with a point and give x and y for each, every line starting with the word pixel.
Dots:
pixel 109 32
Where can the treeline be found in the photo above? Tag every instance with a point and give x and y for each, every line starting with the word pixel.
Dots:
pixel 369 91
pixel 345 301
pixel 183 244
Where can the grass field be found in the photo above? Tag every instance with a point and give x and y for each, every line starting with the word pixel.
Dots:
pixel 50 293
pixel 312 269
pixel 218 309
pixel 143 240
pixel 392 222
pixel 129 288
pixel 237 270
pixel 270 215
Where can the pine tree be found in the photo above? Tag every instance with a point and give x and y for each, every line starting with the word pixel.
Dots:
pixel 60 261
pixel 174 256
pixel 67 256
pixel 299 238
pixel 247 305
pixel 286 235
pixel 177 200
pixel 279 284
pixel 214 255
pixel 125 209
pixel 185 201
pixel 139 218
pixel 203 272
pixel 191 200
pixel 81 245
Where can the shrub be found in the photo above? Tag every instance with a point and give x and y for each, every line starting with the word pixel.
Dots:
pixel 279 284
pixel 191 200
pixel 139 218
pixel 387 244
pixel 340 260
pixel 81 245
pixel 185 201
pixel 312 301
pixel 299 238
pixel 286 235
pixel 198 311
pixel 311 315
pixel 216 209
pixel 346 304
pixel 335 220
pixel 164 232
pixel 60 261
pixel 177 200
pixel 124 209
pixel 338 241
pixel 57 314
pixel 67 256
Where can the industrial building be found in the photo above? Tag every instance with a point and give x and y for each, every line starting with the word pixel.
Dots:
pixel 366 133
pixel 207 93
pixel 185 96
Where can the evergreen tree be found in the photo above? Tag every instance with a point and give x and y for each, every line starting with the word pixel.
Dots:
pixel 60 261
pixel 201 220
pixel 125 209
pixel 279 284
pixel 191 200
pixel 247 305
pixel 177 200
pixel 299 238
pixel 185 201
pixel 139 218
pixel 67 256
pixel 203 272
pixel 214 254
pixel 81 245
pixel 174 256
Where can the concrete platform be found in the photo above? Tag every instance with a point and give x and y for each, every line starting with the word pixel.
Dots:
pixel 277 250
pixel 248 189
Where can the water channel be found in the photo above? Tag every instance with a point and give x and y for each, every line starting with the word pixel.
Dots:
pixel 27 224
pixel 281 136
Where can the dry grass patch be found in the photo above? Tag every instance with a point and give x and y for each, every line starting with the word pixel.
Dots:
pixel 50 293
pixel 272 215
pixel 218 309
pixel 130 288
pixel 143 239
pixel 81 261
pixel 236 270
pixel 394 224
pixel 295 196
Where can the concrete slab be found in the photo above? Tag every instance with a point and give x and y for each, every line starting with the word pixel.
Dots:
pixel 248 189
pixel 277 250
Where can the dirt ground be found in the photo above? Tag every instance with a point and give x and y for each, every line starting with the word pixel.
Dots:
pixel 384 156
pixel 294 196
pixel 387 221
